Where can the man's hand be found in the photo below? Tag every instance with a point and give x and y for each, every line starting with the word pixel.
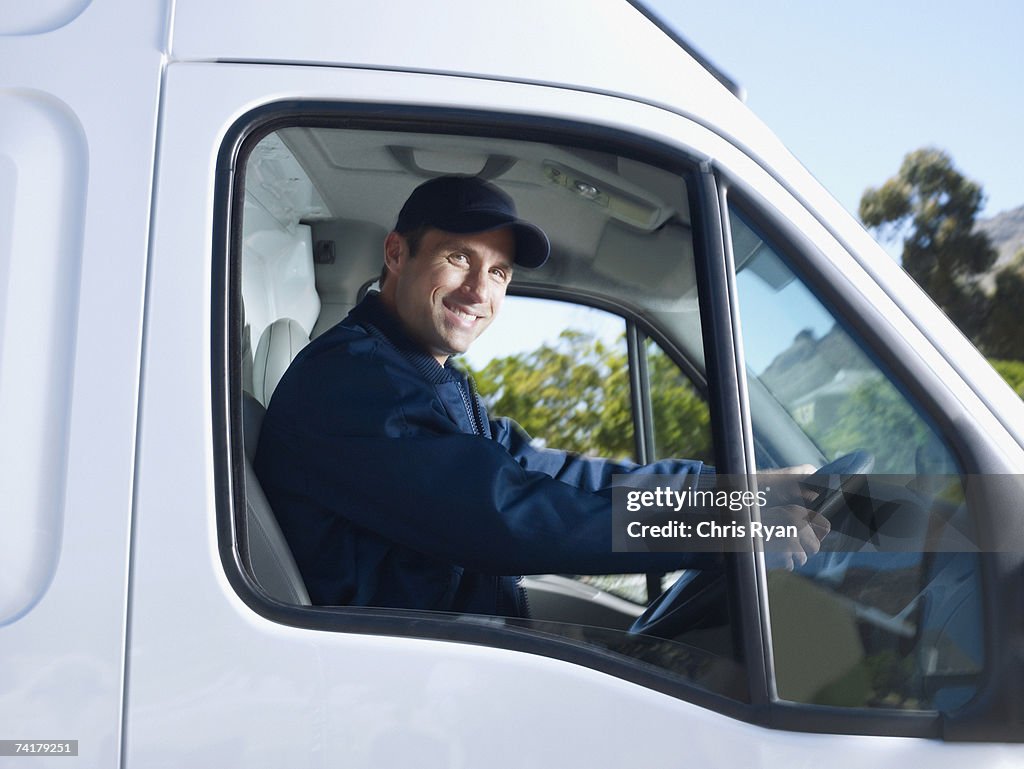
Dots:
pixel 789 552
pixel 789 506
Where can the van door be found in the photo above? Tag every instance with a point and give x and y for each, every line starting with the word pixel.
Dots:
pixel 224 673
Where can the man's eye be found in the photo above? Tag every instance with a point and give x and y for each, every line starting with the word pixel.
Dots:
pixel 499 274
pixel 458 258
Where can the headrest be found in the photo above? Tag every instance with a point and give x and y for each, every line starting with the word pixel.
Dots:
pixel 277 348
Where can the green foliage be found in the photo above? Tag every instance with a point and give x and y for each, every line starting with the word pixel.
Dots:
pixel 575 395
pixel 1013 372
pixel 934 207
pixel 682 423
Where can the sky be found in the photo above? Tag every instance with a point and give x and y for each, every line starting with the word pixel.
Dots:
pixel 852 87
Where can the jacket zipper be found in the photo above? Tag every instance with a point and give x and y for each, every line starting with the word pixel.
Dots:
pixel 469 401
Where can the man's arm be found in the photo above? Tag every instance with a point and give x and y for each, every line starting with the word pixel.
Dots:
pixel 463 499
pixel 595 474
pixel 588 473
pixel 388 459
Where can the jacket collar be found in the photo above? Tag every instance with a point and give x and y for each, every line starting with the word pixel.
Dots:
pixel 379 321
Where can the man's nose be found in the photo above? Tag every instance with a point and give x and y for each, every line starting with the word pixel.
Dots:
pixel 476 286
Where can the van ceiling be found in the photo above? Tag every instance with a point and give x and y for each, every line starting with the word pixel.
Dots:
pixel 619 228
pixel 571 194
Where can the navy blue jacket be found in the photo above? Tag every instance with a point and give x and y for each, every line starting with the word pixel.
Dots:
pixel 394 489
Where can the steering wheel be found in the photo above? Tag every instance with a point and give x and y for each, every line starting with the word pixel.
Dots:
pixel 845 474
pixel 697 591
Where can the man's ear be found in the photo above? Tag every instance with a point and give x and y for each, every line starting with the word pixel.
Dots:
pixel 396 251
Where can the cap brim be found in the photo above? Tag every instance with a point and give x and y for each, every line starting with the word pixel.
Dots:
pixel 532 245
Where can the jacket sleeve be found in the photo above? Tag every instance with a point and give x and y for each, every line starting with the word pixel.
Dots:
pixel 588 473
pixel 389 460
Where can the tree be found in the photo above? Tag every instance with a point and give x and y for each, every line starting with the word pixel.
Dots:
pixel 1003 333
pixel 876 415
pixel 1013 372
pixel 682 422
pixel 574 394
pixel 934 207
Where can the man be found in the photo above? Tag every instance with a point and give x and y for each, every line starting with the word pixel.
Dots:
pixel 391 484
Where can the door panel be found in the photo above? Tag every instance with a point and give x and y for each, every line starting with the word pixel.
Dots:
pixel 220 675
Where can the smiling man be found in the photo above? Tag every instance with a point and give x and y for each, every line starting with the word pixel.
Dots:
pixel 390 482
pixel 465 236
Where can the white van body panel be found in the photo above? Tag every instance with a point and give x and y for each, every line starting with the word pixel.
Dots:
pixel 84 79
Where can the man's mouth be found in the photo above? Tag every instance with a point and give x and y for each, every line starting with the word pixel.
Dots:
pixel 464 315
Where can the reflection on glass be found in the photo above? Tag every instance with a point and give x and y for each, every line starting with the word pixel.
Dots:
pixel 870 626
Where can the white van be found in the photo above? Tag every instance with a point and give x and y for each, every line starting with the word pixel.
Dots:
pixel 183 183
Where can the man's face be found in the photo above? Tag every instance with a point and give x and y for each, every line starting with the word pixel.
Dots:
pixel 451 290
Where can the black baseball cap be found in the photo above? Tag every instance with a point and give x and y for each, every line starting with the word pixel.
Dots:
pixel 471 204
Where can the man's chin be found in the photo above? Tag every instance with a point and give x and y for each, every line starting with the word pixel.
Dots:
pixel 460 346
pixel 459 343
pixel 458 349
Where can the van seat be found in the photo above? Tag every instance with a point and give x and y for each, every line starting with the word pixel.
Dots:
pixel 270 559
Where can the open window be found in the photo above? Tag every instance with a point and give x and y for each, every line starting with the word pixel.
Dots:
pixel 613 322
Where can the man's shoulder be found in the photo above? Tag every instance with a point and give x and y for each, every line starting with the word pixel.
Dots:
pixel 343 356
pixel 345 339
pixel 342 382
pixel 350 358
pixel 354 339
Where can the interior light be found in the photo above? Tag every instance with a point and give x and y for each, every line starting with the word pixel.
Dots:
pixel 618 204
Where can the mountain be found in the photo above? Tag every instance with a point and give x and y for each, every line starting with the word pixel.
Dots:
pixel 811 364
pixel 1006 231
